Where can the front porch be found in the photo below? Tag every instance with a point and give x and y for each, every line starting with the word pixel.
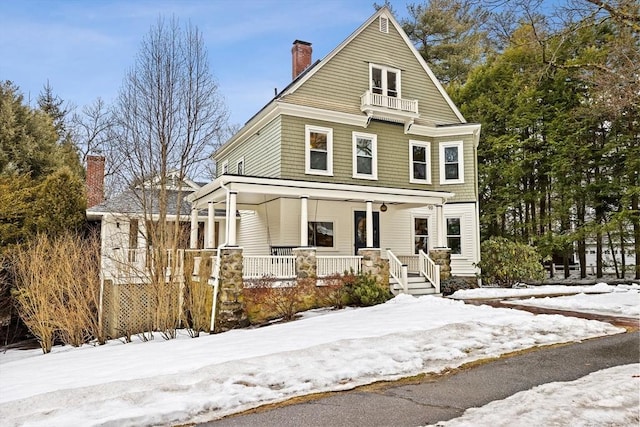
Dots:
pixel 337 221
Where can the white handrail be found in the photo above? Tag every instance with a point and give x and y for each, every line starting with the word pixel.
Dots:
pixel 280 267
pixel 398 271
pixel 430 270
pixel 215 274
pixel 329 264
pixel 390 102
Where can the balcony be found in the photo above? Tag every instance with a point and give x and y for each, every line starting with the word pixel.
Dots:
pixel 389 108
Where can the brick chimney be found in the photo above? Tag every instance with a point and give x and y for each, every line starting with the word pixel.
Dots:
pixel 301 57
pixel 95 180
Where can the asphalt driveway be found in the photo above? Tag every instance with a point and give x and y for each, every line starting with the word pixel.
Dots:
pixel 440 398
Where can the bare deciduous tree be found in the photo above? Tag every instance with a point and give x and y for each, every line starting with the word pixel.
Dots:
pixel 169 116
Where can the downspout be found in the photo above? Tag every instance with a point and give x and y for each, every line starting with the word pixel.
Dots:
pixel 216 267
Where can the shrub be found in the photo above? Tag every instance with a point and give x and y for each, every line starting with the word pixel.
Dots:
pixel 366 291
pixel 57 289
pixel 279 300
pixel 333 292
pixel 452 284
pixel 505 263
pixel 197 296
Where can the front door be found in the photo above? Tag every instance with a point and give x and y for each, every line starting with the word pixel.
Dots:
pixel 360 230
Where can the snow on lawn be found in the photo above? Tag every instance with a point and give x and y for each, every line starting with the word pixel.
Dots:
pixel 610 397
pixel 171 382
pixel 620 300
pixel 523 290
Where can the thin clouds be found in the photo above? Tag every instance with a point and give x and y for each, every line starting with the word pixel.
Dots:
pixel 84 48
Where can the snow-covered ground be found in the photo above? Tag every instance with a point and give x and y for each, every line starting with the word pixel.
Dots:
pixel 610 397
pixel 620 300
pixel 169 382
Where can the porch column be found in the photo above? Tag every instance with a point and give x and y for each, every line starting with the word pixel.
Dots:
pixel 442 227
pixel 231 218
pixel 369 224
pixel 211 226
pixel 304 235
pixel 193 239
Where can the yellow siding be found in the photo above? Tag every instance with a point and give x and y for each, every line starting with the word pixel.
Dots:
pixel 340 82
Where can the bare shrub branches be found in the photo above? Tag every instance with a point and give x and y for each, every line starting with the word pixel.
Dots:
pixel 58 289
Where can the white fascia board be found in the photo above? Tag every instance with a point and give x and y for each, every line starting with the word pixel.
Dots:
pixel 446 131
pixel 278 108
pixel 253 126
pixel 321 114
pixel 335 51
pixel 424 64
pixel 214 191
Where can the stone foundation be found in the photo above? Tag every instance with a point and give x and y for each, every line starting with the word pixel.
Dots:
pixel 231 310
pixel 306 264
pixel 442 257
pixel 373 263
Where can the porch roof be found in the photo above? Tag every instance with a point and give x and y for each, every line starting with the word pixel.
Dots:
pixel 257 190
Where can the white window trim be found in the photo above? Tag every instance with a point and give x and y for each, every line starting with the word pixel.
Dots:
pixel 384 24
pixel 225 167
pixel 427 146
pixel 413 231
pixel 238 163
pixel 461 217
pixel 332 221
pixel 385 69
pixel 459 145
pixel 307 150
pixel 374 155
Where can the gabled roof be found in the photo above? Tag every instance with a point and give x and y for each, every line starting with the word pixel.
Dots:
pixel 269 111
pixel 384 11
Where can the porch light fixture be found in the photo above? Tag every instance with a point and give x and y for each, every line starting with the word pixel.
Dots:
pixel 383 207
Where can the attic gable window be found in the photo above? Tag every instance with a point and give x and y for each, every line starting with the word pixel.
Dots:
pixel 384 24
pixel 318 150
pixel 384 80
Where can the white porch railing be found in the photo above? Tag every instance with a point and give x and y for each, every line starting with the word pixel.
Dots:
pixel 429 269
pixel 391 102
pixel 398 271
pixel 411 261
pixel 328 265
pixel 280 267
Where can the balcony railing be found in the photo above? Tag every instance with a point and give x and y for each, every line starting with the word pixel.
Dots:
pixel 388 107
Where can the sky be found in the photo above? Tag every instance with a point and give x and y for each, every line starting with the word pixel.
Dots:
pixel 192 380
pixel 84 47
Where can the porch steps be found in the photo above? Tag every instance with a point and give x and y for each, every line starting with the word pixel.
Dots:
pixel 417 286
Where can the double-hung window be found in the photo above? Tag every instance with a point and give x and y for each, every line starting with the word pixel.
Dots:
pixel 451 163
pixel 419 162
pixel 384 80
pixel 225 167
pixel 454 238
pixel 365 156
pixel 240 166
pixel 319 150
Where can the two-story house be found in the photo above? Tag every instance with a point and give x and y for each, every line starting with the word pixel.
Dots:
pixel 363 149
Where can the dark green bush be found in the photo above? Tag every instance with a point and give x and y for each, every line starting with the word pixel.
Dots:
pixel 452 284
pixel 505 263
pixel 366 291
